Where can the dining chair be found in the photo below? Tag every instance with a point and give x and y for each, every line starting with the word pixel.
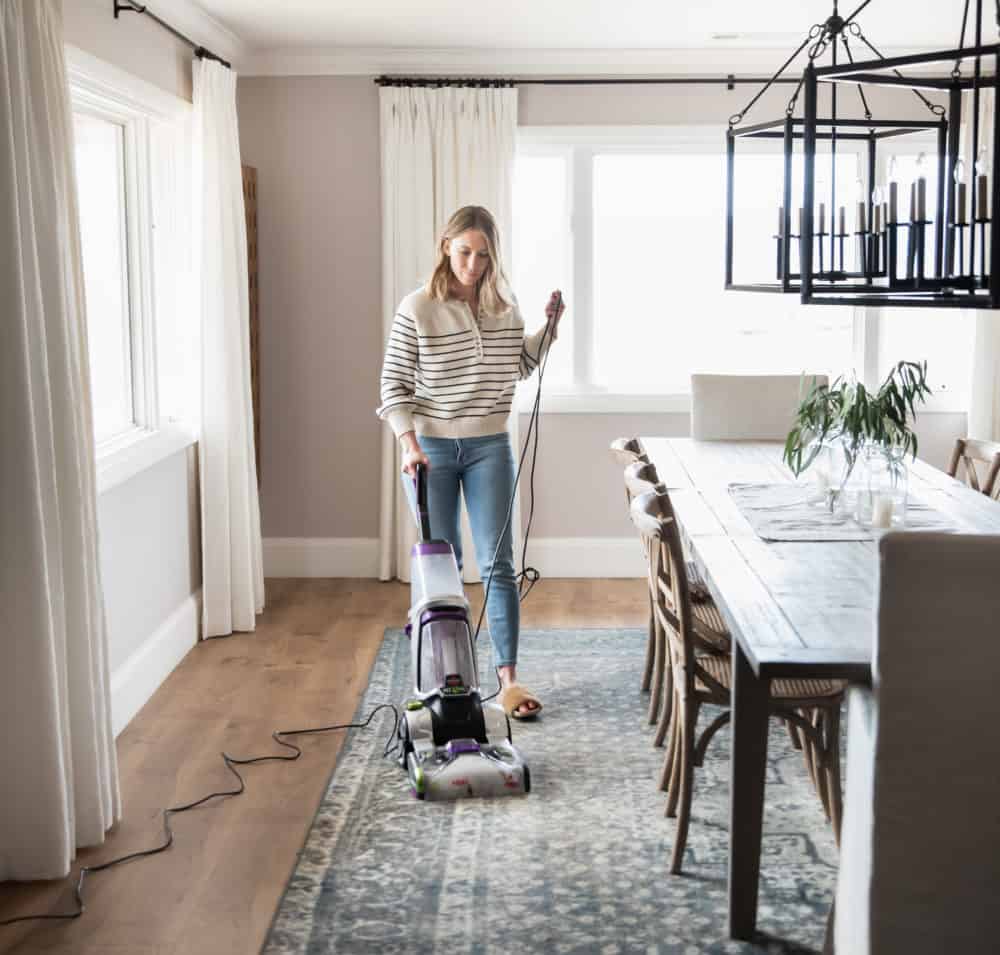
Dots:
pixel 920 847
pixel 627 451
pixel 968 453
pixel 748 407
pixel 641 478
pixel 701 677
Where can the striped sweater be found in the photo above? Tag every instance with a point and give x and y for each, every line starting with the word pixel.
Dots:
pixel 448 375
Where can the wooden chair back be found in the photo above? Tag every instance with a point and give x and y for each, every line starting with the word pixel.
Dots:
pixel 968 453
pixel 628 450
pixel 653 516
pixel 640 478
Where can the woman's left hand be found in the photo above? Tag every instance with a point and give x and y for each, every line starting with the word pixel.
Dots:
pixel 554 309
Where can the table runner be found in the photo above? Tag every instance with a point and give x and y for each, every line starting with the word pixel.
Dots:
pixel 785 512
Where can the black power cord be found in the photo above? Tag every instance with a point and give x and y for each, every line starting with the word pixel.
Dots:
pixel 392 743
pixel 527 573
pixel 231 762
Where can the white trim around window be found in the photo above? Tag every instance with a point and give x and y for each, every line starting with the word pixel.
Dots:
pixel 156 143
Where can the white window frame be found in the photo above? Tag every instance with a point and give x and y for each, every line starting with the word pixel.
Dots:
pixel 579 144
pixel 156 145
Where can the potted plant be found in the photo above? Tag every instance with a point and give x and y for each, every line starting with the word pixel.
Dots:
pixel 847 416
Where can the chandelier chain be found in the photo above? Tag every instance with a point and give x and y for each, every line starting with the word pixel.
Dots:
pixel 957 69
pixel 936 109
pixel 814 31
pixel 860 88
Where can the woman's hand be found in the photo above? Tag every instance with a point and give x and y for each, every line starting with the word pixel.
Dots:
pixel 412 454
pixel 554 309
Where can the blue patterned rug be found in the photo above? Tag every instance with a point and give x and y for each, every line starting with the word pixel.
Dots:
pixel 578 866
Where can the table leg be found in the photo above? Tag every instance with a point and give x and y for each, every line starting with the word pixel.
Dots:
pixel 746 811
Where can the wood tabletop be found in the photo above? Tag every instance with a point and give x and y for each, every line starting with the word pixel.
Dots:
pixel 802 608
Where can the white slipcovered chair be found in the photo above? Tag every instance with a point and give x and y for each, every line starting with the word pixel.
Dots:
pixel 920 842
pixel 747 407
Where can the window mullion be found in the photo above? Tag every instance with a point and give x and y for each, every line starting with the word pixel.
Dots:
pixel 583 266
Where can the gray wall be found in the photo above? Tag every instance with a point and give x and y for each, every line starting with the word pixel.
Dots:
pixel 148 525
pixel 315 143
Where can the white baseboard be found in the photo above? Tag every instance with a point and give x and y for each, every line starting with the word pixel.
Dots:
pixel 358 557
pixel 139 677
pixel 586 557
pixel 320 557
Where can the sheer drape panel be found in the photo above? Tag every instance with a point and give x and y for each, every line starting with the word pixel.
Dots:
pixel 58 773
pixel 232 567
pixel 441 149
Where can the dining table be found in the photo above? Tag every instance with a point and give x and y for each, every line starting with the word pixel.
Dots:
pixel 795 608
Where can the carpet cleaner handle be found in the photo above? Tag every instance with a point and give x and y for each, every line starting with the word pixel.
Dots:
pixel 416 493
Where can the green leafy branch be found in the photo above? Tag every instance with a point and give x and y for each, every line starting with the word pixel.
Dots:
pixel 846 409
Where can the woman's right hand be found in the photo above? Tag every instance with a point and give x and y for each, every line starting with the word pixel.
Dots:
pixel 413 455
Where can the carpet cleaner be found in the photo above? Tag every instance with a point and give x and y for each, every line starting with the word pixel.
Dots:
pixel 452 743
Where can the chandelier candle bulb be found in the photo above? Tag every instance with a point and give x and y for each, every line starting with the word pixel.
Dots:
pixel 982 204
pixel 921 199
pixel 822 217
pixel 877 216
pixel 960 204
pixel 861 216
pixel 841 226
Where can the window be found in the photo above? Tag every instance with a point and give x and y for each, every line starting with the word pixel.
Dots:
pixel 100 172
pixel 131 145
pixel 631 226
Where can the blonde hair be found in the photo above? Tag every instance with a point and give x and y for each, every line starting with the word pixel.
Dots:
pixel 491 299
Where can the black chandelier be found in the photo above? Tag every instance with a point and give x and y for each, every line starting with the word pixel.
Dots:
pixel 884 260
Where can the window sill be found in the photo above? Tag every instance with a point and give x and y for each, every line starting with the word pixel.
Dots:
pixel 603 403
pixel 138 451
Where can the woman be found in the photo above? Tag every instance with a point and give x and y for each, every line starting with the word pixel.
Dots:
pixel 456 350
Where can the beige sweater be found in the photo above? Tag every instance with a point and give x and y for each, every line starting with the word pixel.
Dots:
pixel 447 375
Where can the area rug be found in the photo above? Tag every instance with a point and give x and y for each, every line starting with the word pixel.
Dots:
pixel 581 864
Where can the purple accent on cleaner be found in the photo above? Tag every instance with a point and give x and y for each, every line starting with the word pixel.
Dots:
pixel 424 548
pixel 458 746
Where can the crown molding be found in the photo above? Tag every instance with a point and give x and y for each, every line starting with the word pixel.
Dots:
pixel 418 61
pixel 188 18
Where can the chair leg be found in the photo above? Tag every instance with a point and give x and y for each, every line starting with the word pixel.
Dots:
pixel 820 760
pixel 647 669
pixel 676 759
pixel 793 735
pixel 832 770
pixel 666 771
pixel 808 752
pixel 686 759
pixel 659 666
pixel 667 704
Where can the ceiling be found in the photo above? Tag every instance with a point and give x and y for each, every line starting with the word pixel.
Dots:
pixel 266 25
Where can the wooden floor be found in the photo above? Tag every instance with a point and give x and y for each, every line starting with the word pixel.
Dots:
pixel 216 889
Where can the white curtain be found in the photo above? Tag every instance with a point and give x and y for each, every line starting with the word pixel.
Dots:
pixel 984 405
pixel 441 149
pixel 58 772
pixel 232 567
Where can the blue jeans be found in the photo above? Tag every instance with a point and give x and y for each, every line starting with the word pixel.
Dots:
pixel 483 467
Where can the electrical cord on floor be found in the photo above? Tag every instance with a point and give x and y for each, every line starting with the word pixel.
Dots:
pixel 231 762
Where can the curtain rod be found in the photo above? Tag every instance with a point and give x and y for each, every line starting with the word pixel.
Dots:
pixel 130 6
pixel 730 81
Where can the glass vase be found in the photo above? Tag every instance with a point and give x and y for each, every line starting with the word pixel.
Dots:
pixel 829 468
pixel 881 500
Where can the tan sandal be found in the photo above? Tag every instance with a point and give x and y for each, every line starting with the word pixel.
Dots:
pixel 515 695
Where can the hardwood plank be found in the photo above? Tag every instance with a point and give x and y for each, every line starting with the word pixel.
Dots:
pixel 307 664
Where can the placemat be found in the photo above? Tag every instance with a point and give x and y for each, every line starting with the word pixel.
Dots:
pixel 786 512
